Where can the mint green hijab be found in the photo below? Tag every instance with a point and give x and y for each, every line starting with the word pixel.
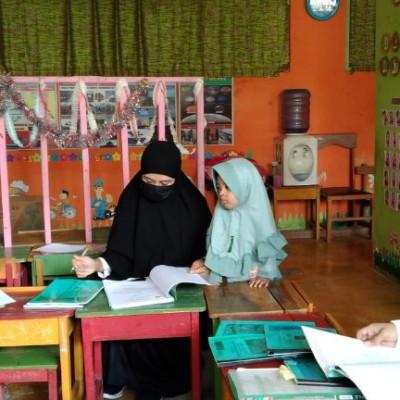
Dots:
pixel 246 236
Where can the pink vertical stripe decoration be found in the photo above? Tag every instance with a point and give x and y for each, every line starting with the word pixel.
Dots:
pixel 200 139
pixel 45 176
pixel 85 167
pixel 124 140
pixel 45 188
pixel 160 96
pixel 5 195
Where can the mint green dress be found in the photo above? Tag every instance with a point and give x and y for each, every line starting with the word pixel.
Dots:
pixel 244 237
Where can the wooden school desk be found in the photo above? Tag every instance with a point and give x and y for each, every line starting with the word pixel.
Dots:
pixel 239 299
pixel 281 296
pixel 309 193
pixel 100 323
pixel 20 327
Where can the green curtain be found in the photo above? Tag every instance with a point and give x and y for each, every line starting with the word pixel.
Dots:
pixel 361 46
pixel 210 38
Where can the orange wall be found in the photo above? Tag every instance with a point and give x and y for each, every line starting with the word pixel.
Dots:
pixel 340 102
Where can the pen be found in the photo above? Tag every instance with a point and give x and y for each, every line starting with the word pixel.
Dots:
pixel 86 249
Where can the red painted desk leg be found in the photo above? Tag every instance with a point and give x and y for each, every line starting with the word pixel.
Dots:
pixel 98 370
pixel 195 352
pixel 88 356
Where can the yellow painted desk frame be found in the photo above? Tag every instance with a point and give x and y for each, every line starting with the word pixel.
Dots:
pixel 33 327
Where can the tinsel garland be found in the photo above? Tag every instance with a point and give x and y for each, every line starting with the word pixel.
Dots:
pixel 47 127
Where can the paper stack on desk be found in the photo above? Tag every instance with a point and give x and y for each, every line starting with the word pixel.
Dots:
pixel 375 370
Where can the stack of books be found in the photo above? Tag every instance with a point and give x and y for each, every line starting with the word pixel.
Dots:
pixel 337 367
pixel 246 342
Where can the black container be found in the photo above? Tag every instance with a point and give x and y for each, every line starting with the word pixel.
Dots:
pixel 295 110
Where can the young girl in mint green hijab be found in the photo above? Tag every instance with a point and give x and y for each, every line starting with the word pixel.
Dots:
pixel 243 243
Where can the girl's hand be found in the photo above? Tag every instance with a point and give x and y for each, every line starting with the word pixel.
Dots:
pixel 259 282
pixel 84 265
pixel 198 267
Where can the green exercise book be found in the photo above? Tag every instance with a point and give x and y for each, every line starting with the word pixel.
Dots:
pixel 288 336
pixel 66 293
pixel 245 342
pixel 250 327
pixel 306 371
pixel 268 384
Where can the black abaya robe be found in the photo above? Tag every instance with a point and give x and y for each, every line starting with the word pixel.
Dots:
pixel 145 234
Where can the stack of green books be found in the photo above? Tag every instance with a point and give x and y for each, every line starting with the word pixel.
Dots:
pixel 245 342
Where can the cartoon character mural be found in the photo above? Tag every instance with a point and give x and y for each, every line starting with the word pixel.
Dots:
pixel 99 203
pixel 63 207
pixel 18 188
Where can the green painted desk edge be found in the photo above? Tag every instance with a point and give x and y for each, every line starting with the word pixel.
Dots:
pixel 20 253
pixel 190 298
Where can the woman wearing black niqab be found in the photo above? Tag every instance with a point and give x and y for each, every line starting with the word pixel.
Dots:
pixel 154 224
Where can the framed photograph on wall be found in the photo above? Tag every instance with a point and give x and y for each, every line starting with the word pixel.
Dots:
pixel 101 100
pixel 218 112
pixel 21 127
pixel 147 113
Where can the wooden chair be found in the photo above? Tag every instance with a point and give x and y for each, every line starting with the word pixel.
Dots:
pixel 350 193
pixel 12 273
pixel 30 364
pixel 46 267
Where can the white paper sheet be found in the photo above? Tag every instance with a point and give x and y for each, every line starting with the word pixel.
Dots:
pixel 61 248
pixel 5 299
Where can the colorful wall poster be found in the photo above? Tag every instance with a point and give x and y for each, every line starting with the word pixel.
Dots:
pixel 101 100
pixel 20 128
pixel 146 115
pixel 218 112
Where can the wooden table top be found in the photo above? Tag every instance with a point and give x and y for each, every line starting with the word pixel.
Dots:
pixel 282 295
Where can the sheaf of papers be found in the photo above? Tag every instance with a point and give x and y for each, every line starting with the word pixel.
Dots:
pixel 61 248
pixel 374 369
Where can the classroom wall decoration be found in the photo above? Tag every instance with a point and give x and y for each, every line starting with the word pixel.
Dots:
pixel 56 120
pixel 21 107
pixel 62 130
pixel 387 141
pixel 218 111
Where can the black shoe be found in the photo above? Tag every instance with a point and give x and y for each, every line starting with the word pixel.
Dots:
pixel 113 392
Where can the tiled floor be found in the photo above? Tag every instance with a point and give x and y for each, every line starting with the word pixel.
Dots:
pixel 338 277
